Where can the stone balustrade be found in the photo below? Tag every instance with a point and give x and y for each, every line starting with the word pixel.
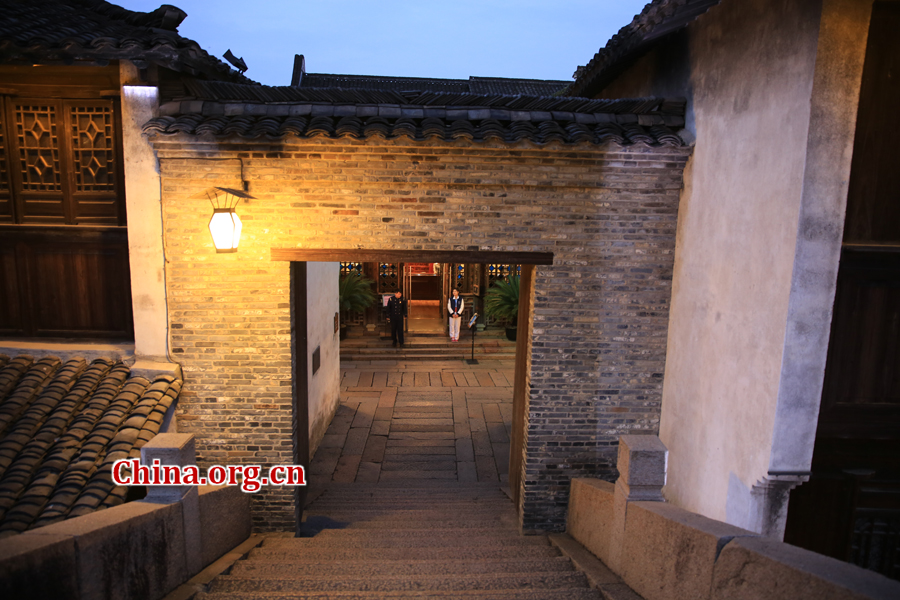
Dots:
pixel 664 552
pixel 141 549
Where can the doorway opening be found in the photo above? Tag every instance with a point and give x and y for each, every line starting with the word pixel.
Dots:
pixel 300 319
pixel 427 286
pixel 423 286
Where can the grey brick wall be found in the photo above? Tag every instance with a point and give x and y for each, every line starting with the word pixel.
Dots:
pixel 600 311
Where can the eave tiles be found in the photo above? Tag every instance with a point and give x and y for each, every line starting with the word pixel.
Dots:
pixel 420 116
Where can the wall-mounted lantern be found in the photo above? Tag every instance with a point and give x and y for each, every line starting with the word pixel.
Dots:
pixel 225 224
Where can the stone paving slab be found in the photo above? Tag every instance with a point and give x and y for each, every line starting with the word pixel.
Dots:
pixel 417 450
pixel 422 412
pixel 392 443
pixel 380 428
pixel 356 441
pixel 407 475
pixel 421 435
pixel 400 426
pixel 420 465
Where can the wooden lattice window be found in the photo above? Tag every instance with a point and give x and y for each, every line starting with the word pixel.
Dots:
pixel 460 276
pixel 60 162
pixel 6 210
pixel 351 267
pixel 498 271
pixel 388 279
pixel 92 148
pixel 38 139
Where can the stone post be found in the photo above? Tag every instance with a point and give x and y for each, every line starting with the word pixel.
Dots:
pixel 642 474
pixel 178 449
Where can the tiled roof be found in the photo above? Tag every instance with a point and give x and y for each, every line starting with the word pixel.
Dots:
pixel 95 30
pixel 569 131
pixel 62 426
pixel 212 92
pixel 658 19
pixel 225 110
pixel 472 85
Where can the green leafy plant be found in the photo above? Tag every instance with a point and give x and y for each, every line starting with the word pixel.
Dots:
pixel 502 300
pixel 355 293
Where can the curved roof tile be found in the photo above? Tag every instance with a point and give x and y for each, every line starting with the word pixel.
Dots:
pixel 658 19
pixel 95 30
pixel 538 131
pixel 74 422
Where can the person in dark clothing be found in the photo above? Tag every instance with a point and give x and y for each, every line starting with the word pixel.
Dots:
pixel 396 310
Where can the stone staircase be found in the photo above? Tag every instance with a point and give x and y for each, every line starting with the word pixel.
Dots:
pixel 489 345
pixel 417 540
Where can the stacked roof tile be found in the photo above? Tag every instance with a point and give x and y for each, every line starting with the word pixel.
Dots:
pixel 472 85
pixel 95 30
pixel 623 131
pixel 659 19
pixel 225 110
pixel 62 426
pixel 213 92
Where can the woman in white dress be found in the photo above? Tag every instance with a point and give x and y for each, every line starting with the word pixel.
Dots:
pixel 455 307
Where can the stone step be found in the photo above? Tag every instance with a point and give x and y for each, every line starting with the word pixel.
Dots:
pixel 445 537
pixel 437 505
pixel 503 523
pixel 412 487
pixel 420 502
pixel 414 357
pixel 414 499
pixel 420 496
pixel 350 515
pixel 456 352
pixel 349 521
pixel 422 584
pixel 544 594
pixel 373 568
pixel 486 338
pixel 380 539
pixel 441 353
pixel 305 554
pixel 433 344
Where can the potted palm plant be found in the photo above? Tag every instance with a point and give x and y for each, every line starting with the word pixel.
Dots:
pixel 354 294
pixel 502 303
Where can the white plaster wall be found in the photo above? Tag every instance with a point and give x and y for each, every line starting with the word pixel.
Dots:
pixel 146 254
pixel 324 385
pixel 747 70
pixel 772 89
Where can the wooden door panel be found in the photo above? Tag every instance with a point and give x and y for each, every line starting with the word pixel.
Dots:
pixel 80 290
pixel 861 394
pixel 76 281
pixel 11 321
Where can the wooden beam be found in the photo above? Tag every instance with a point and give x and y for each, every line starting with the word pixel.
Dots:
pixel 394 256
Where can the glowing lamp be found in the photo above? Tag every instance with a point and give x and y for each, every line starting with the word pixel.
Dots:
pixel 225 225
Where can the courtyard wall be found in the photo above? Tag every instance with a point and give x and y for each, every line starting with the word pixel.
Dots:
pixel 597 356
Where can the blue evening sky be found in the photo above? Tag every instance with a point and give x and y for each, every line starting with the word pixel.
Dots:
pixel 539 39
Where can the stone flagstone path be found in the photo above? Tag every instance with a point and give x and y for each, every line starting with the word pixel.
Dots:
pixel 419 421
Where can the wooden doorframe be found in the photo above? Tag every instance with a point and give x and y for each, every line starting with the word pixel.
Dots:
pixel 409 256
pixel 298 258
pixel 520 384
pixel 406 290
pixel 299 383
